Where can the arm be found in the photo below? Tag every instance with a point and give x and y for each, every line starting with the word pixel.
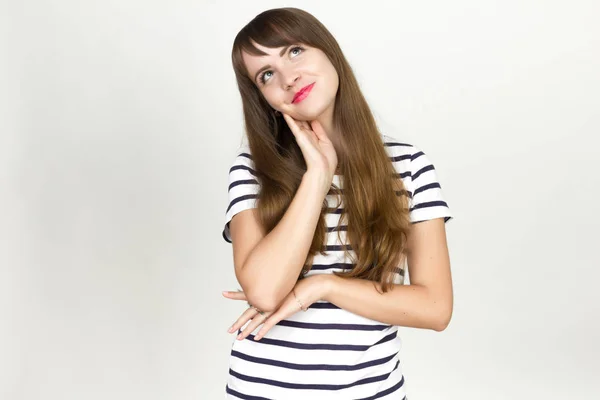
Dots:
pixel 271 267
pixel 426 303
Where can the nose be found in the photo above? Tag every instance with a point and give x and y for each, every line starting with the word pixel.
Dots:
pixel 290 78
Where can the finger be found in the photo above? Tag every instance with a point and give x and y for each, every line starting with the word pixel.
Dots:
pixel 256 321
pixel 246 315
pixel 283 312
pixel 291 123
pixel 235 295
pixel 297 131
pixel 304 125
pixel 242 319
pixel 309 129
pixel 297 126
pixel 317 128
pixel 268 324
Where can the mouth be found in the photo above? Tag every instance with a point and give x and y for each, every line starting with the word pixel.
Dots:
pixel 302 93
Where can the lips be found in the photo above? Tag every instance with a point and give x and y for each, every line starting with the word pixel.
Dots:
pixel 302 93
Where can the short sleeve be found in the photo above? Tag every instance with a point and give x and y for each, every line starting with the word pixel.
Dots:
pixel 243 188
pixel 427 200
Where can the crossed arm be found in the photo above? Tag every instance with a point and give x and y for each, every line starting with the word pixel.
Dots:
pixel 426 303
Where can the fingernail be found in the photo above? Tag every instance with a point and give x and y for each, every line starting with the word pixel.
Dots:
pixel 256 337
pixel 230 329
pixel 239 336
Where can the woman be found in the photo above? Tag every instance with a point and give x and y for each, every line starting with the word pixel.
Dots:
pixel 323 217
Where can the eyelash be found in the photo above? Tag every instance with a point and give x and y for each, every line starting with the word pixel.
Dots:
pixel 261 78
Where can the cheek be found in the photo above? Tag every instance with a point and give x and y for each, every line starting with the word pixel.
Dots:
pixel 329 71
pixel 334 79
pixel 275 100
pixel 332 73
pixel 272 97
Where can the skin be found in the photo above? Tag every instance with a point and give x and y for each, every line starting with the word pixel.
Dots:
pixel 428 301
pixel 299 66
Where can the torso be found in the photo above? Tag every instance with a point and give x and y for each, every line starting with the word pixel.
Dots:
pixel 325 352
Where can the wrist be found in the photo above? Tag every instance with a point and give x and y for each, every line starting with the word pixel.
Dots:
pixel 320 179
pixel 328 285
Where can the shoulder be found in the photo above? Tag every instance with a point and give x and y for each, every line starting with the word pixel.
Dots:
pixel 407 157
pixel 243 153
pixel 396 147
pixel 420 176
pixel 401 154
pixel 242 172
pixel 243 160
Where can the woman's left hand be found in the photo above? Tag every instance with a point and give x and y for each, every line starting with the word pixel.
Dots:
pixel 308 290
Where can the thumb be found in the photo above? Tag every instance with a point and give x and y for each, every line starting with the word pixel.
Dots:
pixel 238 295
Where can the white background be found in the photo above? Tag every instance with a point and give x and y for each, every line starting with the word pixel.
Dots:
pixel 119 121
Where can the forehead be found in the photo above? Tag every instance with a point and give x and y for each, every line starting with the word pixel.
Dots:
pixel 254 62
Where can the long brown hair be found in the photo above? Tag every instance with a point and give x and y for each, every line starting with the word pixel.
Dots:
pixel 376 206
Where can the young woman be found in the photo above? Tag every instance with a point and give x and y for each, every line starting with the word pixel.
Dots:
pixel 324 214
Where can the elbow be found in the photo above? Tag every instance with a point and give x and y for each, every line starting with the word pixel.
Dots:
pixel 442 319
pixel 264 301
pixel 260 294
pixel 441 325
pixel 264 304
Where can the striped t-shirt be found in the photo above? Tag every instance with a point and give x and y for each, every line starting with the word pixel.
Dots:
pixel 327 353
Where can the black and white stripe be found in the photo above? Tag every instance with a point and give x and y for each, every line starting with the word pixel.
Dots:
pixel 328 352
pixel 412 164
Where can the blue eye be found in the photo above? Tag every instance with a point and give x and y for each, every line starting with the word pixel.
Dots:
pixel 296 47
pixel 261 78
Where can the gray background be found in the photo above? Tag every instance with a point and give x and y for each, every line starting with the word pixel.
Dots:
pixel 119 121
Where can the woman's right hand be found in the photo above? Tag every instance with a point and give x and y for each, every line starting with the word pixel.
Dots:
pixel 317 149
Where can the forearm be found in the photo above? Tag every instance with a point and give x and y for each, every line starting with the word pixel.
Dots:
pixel 404 305
pixel 273 266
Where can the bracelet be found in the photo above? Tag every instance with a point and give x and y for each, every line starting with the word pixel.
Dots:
pixel 299 302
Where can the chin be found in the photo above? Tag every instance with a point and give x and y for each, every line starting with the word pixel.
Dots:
pixel 310 113
pixel 306 116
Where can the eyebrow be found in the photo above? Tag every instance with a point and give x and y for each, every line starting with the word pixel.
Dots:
pixel 281 53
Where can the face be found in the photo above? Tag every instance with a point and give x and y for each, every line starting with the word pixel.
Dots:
pixel 297 80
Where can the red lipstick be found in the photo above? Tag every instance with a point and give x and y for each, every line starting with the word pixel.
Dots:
pixel 302 93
